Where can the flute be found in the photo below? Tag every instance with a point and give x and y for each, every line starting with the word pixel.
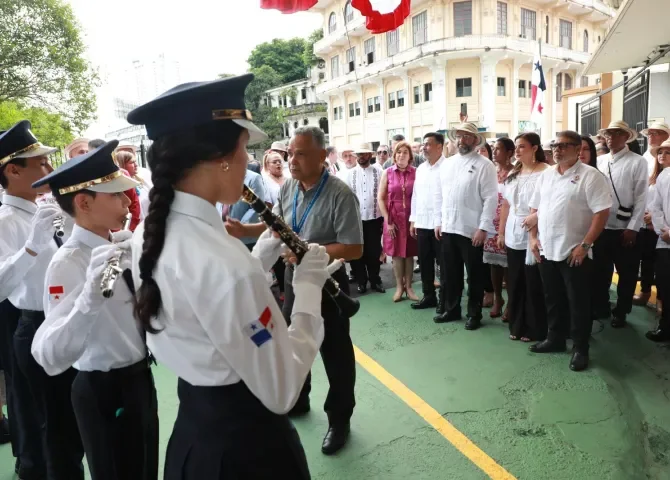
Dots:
pixel 347 305
pixel 112 271
pixel 59 222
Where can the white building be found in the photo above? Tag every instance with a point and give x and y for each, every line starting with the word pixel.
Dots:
pixel 448 57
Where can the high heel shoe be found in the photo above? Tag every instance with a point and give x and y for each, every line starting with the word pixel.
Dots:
pixel 397 296
pixel 411 295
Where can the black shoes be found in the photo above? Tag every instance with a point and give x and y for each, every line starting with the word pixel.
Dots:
pixel 547 346
pixel 579 361
pixel 336 438
pixel 473 323
pixel 378 287
pixel 425 302
pixel 659 335
pixel 4 431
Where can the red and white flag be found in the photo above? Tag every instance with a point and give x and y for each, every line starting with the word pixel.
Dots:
pixel 537 89
pixel 383 15
pixel 288 6
pixel 55 293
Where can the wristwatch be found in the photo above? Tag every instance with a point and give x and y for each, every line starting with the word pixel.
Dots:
pixel 586 246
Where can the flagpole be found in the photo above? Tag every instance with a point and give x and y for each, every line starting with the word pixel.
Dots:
pixel 539 47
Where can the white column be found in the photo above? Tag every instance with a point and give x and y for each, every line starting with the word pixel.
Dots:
pixel 345 115
pixel 514 129
pixel 363 112
pixel 440 100
pixel 488 93
pixel 407 85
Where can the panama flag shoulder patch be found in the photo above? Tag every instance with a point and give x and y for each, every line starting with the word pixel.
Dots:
pixel 260 330
pixel 55 293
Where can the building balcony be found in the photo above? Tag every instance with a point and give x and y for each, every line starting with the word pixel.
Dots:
pixel 591 10
pixel 453 48
pixel 338 38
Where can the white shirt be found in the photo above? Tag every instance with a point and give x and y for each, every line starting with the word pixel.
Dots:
pixel 565 207
pixel 101 341
pixel 628 171
pixel 467 196
pixel 214 296
pixel 518 193
pixel 21 274
pixel 651 162
pixel 364 182
pixel 271 189
pixel 426 182
pixel 659 206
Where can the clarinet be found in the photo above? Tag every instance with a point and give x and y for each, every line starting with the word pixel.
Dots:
pixel 112 271
pixel 347 305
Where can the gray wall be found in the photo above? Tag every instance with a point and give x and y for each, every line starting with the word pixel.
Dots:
pixel 659 96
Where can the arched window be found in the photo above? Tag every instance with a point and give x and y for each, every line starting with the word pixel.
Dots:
pixel 348 12
pixel 323 124
pixel 305 122
pixel 295 124
pixel 586 41
pixel 332 22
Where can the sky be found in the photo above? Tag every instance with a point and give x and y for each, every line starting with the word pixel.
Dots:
pixel 207 37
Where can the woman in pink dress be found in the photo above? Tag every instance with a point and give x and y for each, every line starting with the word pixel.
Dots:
pixel 395 200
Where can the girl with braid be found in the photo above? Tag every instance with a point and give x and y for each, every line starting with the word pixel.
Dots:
pixel 203 297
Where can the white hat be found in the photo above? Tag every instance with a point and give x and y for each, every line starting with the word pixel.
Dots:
pixel 654 150
pixel 467 127
pixel 75 143
pixel 656 126
pixel 279 146
pixel 363 148
pixel 620 125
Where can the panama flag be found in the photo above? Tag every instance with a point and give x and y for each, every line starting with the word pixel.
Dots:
pixel 383 15
pixel 288 6
pixel 537 89
pixel 260 331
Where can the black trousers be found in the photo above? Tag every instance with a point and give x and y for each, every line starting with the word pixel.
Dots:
pixel 117 415
pixel 337 353
pixel 367 267
pixel 64 450
pixel 527 311
pixel 225 433
pixel 9 319
pixel 429 252
pixel 567 294
pixel 663 284
pixel 646 240
pixel 608 252
pixel 457 252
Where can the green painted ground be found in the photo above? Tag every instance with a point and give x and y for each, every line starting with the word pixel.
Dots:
pixel 530 413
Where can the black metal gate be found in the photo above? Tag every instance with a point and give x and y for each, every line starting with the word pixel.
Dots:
pixel 589 116
pixel 636 105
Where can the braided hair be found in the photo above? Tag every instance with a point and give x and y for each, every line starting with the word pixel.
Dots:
pixel 170 157
pixel 535 141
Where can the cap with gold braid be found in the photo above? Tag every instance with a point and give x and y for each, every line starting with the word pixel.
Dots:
pixel 94 171
pixel 198 103
pixel 20 142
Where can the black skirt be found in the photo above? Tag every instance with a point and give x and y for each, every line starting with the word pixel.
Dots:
pixel 227 433
pixel 117 416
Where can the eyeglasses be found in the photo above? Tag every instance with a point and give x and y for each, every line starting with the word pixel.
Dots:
pixel 382 152
pixel 563 146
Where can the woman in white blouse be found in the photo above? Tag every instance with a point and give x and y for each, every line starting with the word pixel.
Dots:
pixel 273 175
pixel 527 312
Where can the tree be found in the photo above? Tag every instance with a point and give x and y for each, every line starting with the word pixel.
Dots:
pixel 50 128
pixel 284 56
pixel 265 78
pixel 308 57
pixel 41 60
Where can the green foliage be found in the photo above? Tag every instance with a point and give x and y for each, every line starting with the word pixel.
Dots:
pixel 42 60
pixel 50 128
pixel 308 57
pixel 284 56
pixel 265 78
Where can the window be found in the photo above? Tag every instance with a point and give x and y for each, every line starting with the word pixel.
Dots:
pixel 303 94
pixel 567 81
pixel 546 29
pixel 305 122
pixel 357 107
pixel 391 100
pixel 338 113
pixel 563 82
pixel 351 59
pixel 371 107
pixel 417 95
pixel 265 100
pixel 295 124
pixel 464 87
pixel 401 98
pixel 522 89
pixel 584 82
pixel 427 92
pixel 392 42
pixel 351 110
pixel 566 34
pixel 335 66
pixel 332 23
pixel 370 50
pixel 586 41
pixel 462 18
pixel 502 18
pixel 420 28
pixel 528 24
pixel 378 103
pixel 348 13
pixel 501 87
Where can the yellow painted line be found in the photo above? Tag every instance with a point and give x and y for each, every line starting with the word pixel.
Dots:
pixel 652 298
pixel 462 443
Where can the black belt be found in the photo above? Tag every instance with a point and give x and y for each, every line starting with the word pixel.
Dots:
pixel 130 370
pixel 33 315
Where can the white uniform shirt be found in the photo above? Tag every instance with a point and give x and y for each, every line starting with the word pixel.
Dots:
pixel 467 196
pixel 21 274
pixel 631 180
pixel 426 182
pixel 659 207
pixel 364 182
pixel 518 193
pixel 565 207
pixel 107 340
pixel 220 322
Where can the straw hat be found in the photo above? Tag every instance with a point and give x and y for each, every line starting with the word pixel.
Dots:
pixel 363 148
pixel 279 146
pixel 345 148
pixel 467 127
pixel 74 144
pixel 656 125
pixel 654 150
pixel 620 125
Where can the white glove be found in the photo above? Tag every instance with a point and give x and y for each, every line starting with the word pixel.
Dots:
pixel 267 249
pixel 42 230
pixel 90 300
pixel 313 268
pixel 121 236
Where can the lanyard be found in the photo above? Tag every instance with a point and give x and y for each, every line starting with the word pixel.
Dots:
pixel 298 227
